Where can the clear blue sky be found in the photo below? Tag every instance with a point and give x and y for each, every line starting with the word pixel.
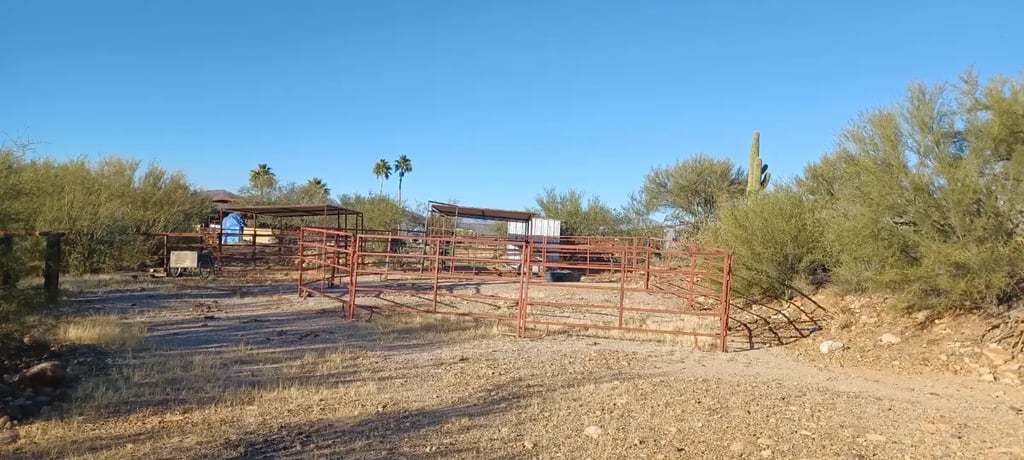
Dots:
pixel 492 100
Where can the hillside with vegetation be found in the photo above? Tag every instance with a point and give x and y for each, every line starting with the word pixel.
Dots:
pixel 902 247
pixel 919 200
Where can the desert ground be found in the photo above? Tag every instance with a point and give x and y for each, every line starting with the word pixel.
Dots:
pixel 256 372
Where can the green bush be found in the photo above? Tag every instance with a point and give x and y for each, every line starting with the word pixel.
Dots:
pixel 923 200
pixel 776 238
pixel 105 207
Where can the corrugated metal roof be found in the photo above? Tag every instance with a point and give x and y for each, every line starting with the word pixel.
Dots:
pixel 451 210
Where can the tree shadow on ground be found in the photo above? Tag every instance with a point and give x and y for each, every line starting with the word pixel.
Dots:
pixel 386 435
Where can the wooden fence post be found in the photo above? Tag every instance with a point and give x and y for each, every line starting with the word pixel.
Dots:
pixel 8 272
pixel 51 269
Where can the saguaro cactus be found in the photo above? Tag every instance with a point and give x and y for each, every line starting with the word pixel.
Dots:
pixel 758 175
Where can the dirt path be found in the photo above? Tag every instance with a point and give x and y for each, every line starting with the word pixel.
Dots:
pixel 265 374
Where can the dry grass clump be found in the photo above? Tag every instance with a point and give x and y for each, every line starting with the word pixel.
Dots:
pixel 103 330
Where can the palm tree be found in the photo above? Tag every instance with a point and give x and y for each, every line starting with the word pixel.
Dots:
pixel 403 166
pixel 263 179
pixel 382 169
pixel 319 188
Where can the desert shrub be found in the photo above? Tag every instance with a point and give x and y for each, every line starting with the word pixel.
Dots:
pixel 692 190
pixel 579 215
pixel 380 212
pixel 777 242
pixel 922 200
pixel 104 206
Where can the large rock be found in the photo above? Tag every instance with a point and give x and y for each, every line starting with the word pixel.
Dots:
pixel 48 374
pixel 831 346
pixel 997 354
pixel 5 391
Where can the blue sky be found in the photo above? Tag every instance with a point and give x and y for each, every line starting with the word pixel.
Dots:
pixel 492 101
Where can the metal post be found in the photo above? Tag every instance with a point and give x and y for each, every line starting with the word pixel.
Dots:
pixel 353 277
pixel 437 264
pixel 622 287
pixel 524 287
pixel 647 266
pixel 726 290
pixel 302 255
pixel 334 259
pixel 693 276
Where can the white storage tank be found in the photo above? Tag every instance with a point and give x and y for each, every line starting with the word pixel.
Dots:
pixel 541 229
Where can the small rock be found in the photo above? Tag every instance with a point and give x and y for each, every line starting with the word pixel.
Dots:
pixel 5 422
pixel 32 340
pixel 766 453
pixel 932 427
pixel 996 354
pixel 923 316
pixel 48 374
pixel 593 431
pixel 875 437
pixel 830 346
pixel 739 446
pixel 988 378
pixel 529 444
pixel 1012 367
pixel 889 339
pixel 765 442
pixel 8 437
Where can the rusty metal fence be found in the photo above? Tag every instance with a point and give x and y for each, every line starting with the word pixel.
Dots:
pixel 631 285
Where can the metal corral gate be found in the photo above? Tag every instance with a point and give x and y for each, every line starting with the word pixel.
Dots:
pixel 618 284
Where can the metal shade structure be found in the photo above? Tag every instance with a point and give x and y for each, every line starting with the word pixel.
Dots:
pixel 455 211
pixel 300 210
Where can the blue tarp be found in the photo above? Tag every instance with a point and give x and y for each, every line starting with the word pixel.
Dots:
pixel 231 228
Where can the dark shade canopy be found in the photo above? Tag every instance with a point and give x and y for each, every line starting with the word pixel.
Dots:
pixel 451 210
pixel 300 210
